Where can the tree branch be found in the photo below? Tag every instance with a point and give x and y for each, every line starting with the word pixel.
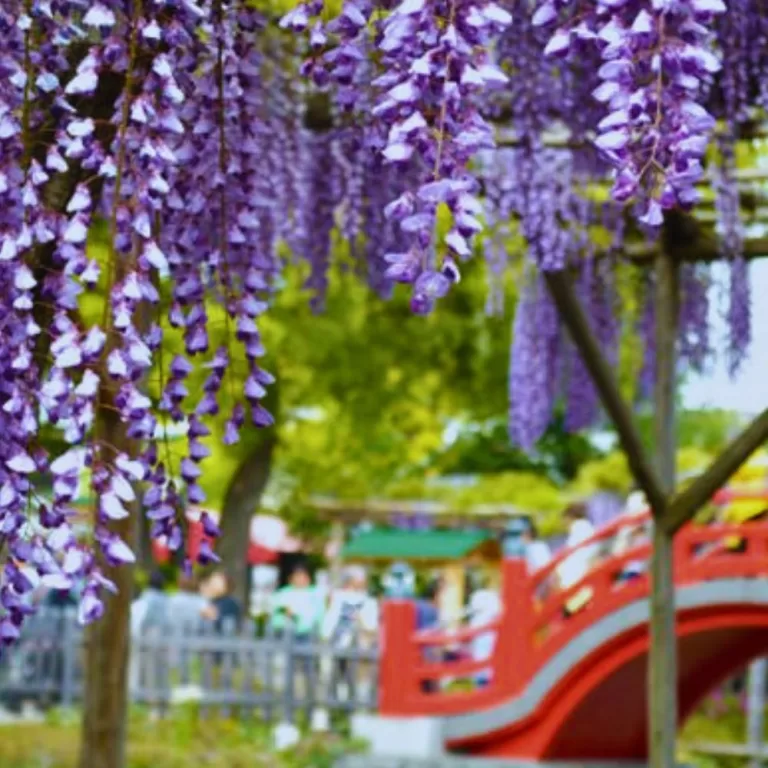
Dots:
pixel 686 503
pixel 575 321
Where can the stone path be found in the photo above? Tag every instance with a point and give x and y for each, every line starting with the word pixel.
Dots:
pixel 451 761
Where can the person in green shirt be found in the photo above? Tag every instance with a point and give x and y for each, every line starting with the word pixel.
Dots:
pixel 298 605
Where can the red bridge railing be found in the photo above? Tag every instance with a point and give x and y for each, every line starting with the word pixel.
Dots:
pixel 538 618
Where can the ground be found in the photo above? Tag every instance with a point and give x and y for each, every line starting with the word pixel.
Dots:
pixel 177 742
pixel 187 739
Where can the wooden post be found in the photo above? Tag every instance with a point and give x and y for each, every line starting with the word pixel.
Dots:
pixel 70 654
pixel 670 512
pixel 756 711
pixel 662 661
pixel 452 594
pixel 575 320
pixel 398 657
pixel 511 657
pixel 338 537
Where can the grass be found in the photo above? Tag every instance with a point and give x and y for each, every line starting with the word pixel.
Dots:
pixel 185 739
pixel 718 720
pixel 176 742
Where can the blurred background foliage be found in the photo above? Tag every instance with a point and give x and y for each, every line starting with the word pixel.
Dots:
pixel 372 402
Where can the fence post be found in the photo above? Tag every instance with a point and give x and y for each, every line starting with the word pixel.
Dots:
pixel 68 657
pixel 267 654
pixel 288 675
pixel 285 733
pixel 397 681
pixel 756 710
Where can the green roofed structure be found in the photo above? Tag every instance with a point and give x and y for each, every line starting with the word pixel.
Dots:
pixel 435 546
pixel 452 551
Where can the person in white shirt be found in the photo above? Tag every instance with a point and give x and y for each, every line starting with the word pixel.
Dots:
pixel 484 607
pixel 576 565
pixel 297 607
pixel 352 611
pixel 537 552
pixel 352 617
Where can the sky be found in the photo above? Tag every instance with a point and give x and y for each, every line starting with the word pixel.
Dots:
pixel 748 392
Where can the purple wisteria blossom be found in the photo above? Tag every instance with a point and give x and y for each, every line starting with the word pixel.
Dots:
pixel 164 161
pixel 658 61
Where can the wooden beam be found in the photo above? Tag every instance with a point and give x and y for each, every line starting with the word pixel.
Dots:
pixel 686 503
pixel 662 657
pixel 726 749
pixel 704 249
pixel 574 319
pixel 665 358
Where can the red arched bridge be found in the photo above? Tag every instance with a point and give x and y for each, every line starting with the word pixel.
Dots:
pixel 567 683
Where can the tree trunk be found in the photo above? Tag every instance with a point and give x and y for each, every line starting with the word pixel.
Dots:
pixel 240 503
pixel 105 698
pixel 143 549
pixel 662 662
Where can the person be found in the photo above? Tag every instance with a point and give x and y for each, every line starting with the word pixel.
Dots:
pixel 187 605
pixel 537 552
pixel 427 608
pixel 399 582
pixel 576 565
pixel 638 537
pixel 632 533
pixel 297 606
pixel 352 617
pixel 428 617
pixel 149 616
pixel 352 613
pixel 484 607
pixel 221 607
pixel 149 611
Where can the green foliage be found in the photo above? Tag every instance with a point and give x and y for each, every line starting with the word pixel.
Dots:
pixel 611 472
pixel 181 740
pixel 607 473
pixel 367 388
pixel 715 722
pixel 708 430
pixel 486 448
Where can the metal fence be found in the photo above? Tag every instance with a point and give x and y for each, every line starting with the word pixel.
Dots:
pixel 229 672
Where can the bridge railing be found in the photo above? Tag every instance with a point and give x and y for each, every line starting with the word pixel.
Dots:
pixel 436 672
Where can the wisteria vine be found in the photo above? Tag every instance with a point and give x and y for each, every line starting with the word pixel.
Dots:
pixel 164 160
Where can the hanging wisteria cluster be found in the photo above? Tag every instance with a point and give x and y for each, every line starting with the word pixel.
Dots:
pixel 179 136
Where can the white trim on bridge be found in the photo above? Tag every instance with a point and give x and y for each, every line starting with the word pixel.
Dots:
pixel 725 592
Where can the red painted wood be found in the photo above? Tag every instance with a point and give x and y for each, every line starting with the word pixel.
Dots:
pixel 712 644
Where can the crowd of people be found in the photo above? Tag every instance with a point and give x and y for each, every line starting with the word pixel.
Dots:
pixel 348 613
pixel 301 607
pixel 207 602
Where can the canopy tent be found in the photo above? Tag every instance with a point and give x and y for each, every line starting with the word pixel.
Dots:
pixel 269 538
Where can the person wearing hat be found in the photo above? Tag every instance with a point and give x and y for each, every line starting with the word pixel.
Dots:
pixel 352 613
pixel 352 617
